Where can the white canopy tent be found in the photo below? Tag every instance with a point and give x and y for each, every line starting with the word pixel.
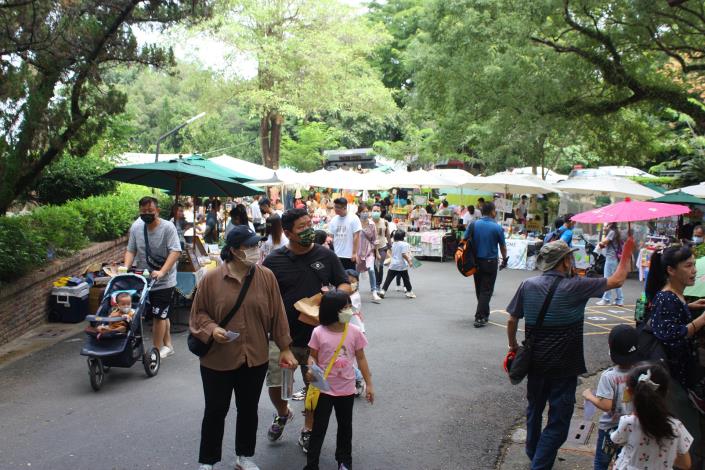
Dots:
pixel 609 186
pixel 253 170
pixel 455 176
pixel 697 190
pixel 551 177
pixel 510 183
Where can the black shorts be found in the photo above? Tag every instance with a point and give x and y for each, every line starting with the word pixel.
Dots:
pixel 159 305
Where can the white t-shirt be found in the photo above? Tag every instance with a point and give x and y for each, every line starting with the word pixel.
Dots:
pixel 467 218
pixel 255 212
pixel 343 230
pixel 398 262
pixel 639 448
pixel 267 246
pixel 230 226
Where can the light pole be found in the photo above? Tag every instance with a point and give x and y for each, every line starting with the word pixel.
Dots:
pixel 174 131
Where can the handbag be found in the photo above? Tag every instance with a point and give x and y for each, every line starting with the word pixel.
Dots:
pixel 313 393
pixel 155 263
pixel 522 360
pixel 198 347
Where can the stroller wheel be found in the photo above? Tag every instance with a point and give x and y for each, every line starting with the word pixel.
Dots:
pixel 96 372
pixel 151 361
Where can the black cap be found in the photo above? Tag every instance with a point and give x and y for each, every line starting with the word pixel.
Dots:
pixel 242 235
pixel 624 345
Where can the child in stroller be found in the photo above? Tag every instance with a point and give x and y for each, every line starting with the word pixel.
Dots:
pixel 124 310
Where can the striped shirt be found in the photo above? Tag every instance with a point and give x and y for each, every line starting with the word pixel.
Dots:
pixel 558 344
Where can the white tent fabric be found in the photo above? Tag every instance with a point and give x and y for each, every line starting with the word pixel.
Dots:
pixel 253 170
pixel 551 177
pixel 343 179
pixel 281 176
pixel 609 186
pixel 454 175
pixel 509 183
pixel 417 179
pixel 697 190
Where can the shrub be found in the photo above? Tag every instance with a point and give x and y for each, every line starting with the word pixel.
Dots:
pixel 74 178
pixel 62 227
pixel 22 247
pixel 107 217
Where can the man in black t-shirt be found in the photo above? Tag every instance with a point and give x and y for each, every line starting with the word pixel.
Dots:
pixel 302 269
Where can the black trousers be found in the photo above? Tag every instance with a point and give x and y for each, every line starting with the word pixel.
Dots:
pixel 218 387
pixel 485 278
pixel 379 266
pixel 343 415
pixel 347 263
pixel 404 275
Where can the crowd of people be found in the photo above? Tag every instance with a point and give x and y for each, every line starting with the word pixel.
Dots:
pixel 274 260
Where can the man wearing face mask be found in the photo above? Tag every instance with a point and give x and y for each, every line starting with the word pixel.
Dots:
pixel 557 356
pixel 154 245
pixel 302 270
pixel 698 234
pixel 239 357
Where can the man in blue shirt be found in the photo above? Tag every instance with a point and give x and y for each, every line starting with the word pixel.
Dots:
pixel 567 230
pixel 487 236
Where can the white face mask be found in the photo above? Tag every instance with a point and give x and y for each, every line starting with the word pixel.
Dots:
pixel 345 315
pixel 125 310
pixel 252 254
pixel 697 239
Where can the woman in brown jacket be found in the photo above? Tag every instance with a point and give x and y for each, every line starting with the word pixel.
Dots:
pixel 238 358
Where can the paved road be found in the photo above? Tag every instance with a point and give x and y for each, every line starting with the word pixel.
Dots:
pixel 443 401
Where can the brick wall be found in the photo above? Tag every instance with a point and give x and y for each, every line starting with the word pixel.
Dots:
pixel 24 303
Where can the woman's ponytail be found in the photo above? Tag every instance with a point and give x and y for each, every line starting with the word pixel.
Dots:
pixel 656 278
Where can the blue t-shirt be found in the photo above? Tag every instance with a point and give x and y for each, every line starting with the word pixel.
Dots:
pixel 487 235
pixel 567 237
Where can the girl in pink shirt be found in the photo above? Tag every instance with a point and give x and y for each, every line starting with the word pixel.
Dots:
pixel 334 314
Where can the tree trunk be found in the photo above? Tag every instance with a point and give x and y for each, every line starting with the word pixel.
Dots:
pixel 270 135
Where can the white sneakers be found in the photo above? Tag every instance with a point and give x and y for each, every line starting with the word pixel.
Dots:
pixel 166 351
pixel 245 463
pixel 410 295
pixel 205 466
pixel 375 297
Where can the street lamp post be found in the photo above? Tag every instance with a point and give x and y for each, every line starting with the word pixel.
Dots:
pixel 174 131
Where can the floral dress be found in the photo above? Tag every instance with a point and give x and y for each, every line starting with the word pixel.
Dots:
pixel 642 452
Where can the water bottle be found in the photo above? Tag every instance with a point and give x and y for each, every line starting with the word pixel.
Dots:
pixel 287 383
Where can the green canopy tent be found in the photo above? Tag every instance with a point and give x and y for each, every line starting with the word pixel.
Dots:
pixel 198 160
pixel 181 176
pixel 679 197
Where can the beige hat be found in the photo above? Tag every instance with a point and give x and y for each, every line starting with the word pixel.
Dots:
pixel 552 253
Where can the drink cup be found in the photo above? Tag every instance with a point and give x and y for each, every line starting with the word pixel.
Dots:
pixel 287 383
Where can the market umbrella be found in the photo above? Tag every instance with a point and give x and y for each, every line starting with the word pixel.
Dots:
pixel 216 168
pixel 510 183
pixel 253 170
pixel 697 289
pixel 630 211
pixel 181 177
pixel 680 197
pixel 283 176
pixel 607 185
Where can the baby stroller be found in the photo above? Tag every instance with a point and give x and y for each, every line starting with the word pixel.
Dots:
pixel 118 349
pixel 597 267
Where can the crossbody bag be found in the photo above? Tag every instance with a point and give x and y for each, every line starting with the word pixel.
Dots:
pixel 313 392
pixel 522 361
pixel 154 262
pixel 198 347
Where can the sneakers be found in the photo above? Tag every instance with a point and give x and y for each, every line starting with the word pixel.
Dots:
pixel 300 395
pixel 410 295
pixel 305 440
pixel 166 351
pixel 342 466
pixel 277 427
pixel 401 289
pixel 375 297
pixel 381 293
pixel 359 388
pixel 602 303
pixel 245 463
pixel 480 322
pixel 697 401
pixel 619 304
pixel 205 466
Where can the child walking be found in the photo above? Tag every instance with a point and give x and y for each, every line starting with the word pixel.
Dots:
pixel 651 436
pixel 341 343
pixel 612 396
pixel 400 264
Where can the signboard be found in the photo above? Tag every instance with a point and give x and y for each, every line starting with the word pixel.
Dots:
pixel 503 205
pixel 516 251
pixel 420 200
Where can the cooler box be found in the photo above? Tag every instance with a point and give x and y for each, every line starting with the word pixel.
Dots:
pixel 69 304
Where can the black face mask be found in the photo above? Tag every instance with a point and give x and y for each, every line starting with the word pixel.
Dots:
pixel 147 218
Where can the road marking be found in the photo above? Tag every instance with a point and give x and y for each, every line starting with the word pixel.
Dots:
pixel 597 318
pixel 598 326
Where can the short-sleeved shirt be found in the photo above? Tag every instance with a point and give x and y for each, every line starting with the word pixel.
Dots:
pixel 613 384
pixel 343 230
pixel 558 344
pixel 567 236
pixel 163 240
pixel 639 449
pixel 398 263
pixel 211 233
pixel 303 276
pixel 467 218
pixel 487 236
pixel 342 375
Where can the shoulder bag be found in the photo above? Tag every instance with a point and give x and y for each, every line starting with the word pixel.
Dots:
pixel 198 347
pixel 522 361
pixel 313 393
pixel 155 263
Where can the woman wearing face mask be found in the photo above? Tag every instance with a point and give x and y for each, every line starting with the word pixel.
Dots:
pixel 275 237
pixel 367 251
pixel 335 346
pixel 612 244
pixel 675 325
pixel 238 358
pixel 382 243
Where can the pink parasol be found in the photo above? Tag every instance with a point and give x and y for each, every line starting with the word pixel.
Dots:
pixel 630 211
